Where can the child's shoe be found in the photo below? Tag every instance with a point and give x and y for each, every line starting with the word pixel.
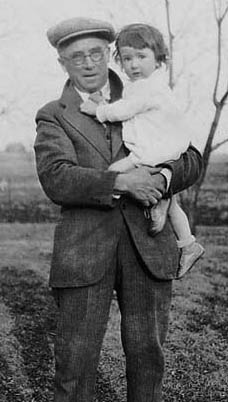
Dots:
pixel 158 215
pixel 190 255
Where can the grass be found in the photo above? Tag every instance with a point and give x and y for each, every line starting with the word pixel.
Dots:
pixel 197 344
pixel 196 349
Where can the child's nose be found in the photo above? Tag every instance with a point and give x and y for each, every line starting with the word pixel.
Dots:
pixel 134 62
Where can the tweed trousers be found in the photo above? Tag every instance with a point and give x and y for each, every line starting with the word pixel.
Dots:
pixel 144 304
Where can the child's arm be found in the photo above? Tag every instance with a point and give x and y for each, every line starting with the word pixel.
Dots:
pixel 120 110
pixel 123 109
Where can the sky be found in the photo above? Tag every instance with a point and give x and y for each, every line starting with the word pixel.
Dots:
pixel 30 75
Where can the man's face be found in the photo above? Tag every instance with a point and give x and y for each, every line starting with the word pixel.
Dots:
pixel 86 62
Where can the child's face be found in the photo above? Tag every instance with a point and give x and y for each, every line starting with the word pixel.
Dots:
pixel 137 63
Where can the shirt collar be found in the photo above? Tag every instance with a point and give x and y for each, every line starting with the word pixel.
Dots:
pixel 105 92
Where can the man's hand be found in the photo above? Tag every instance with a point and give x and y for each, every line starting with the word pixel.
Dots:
pixel 143 184
pixel 89 107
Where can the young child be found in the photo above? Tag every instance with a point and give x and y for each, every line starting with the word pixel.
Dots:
pixel 154 128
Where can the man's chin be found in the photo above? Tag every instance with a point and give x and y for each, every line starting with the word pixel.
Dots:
pixel 90 84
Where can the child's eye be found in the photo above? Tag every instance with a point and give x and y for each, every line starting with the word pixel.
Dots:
pixel 126 59
pixel 142 56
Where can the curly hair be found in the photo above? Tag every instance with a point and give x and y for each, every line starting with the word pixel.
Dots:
pixel 141 36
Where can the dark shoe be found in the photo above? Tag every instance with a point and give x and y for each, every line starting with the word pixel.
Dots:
pixel 190 255
pixel 158 216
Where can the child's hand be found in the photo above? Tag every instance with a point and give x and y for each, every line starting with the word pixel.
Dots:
pixel 154 170
pixel 89 107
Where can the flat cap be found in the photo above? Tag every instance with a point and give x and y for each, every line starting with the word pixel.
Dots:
pixel 77 27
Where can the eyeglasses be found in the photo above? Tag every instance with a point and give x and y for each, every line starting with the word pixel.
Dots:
pixel 78 59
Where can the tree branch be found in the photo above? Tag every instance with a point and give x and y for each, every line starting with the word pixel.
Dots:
pixel 224 98
pixel 215 11
pixel 219 144
pixel 171 38
pixel 224 14
pixel 219 17
pixel 215 100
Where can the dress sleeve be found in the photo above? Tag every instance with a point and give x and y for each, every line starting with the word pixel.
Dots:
pixel 124 109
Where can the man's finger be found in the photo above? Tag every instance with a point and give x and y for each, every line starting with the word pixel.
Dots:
pixel 146 203
pixel 153 200
pixel 156 194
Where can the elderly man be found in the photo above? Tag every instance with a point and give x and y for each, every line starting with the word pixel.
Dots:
pixel 101 241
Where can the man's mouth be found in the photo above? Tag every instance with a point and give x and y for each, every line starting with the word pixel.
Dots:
pixel 90 75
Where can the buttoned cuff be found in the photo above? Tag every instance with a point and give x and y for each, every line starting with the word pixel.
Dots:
pixel 167 175
pixel 116 196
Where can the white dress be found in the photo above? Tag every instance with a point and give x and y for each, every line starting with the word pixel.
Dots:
pixel 155 130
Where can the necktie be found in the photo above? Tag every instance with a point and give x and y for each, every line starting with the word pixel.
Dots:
pixel 97 97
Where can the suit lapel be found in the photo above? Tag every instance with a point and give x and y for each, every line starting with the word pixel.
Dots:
pixel 116 88
pixel 116 134
pixel 87 126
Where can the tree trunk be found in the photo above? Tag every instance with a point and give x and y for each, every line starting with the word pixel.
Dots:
pixel 188 200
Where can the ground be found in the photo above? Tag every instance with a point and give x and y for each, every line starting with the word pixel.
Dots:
pixel 196 349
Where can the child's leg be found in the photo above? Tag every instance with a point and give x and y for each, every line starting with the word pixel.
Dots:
pixel 191 251
pixel 180 224
pixel 123 165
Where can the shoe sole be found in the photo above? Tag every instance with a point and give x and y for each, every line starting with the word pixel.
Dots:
pixel 194 262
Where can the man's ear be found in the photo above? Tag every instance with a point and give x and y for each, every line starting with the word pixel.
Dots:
pixel 61 62
pixel 108 50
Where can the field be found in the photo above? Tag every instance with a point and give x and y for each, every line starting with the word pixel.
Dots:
pixel 21 197
pixel 22 200
pixel 196 349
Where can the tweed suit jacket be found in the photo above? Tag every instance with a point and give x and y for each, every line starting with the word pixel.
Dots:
pixel 72 156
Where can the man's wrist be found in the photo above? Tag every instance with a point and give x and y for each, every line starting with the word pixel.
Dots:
pixel 120 185
pixel 167 174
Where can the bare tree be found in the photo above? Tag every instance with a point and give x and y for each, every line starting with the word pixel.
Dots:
pixel 171 38
pixel 189 198
pixel 220 12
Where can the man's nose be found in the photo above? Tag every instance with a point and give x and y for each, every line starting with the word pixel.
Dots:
pixel 87 61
